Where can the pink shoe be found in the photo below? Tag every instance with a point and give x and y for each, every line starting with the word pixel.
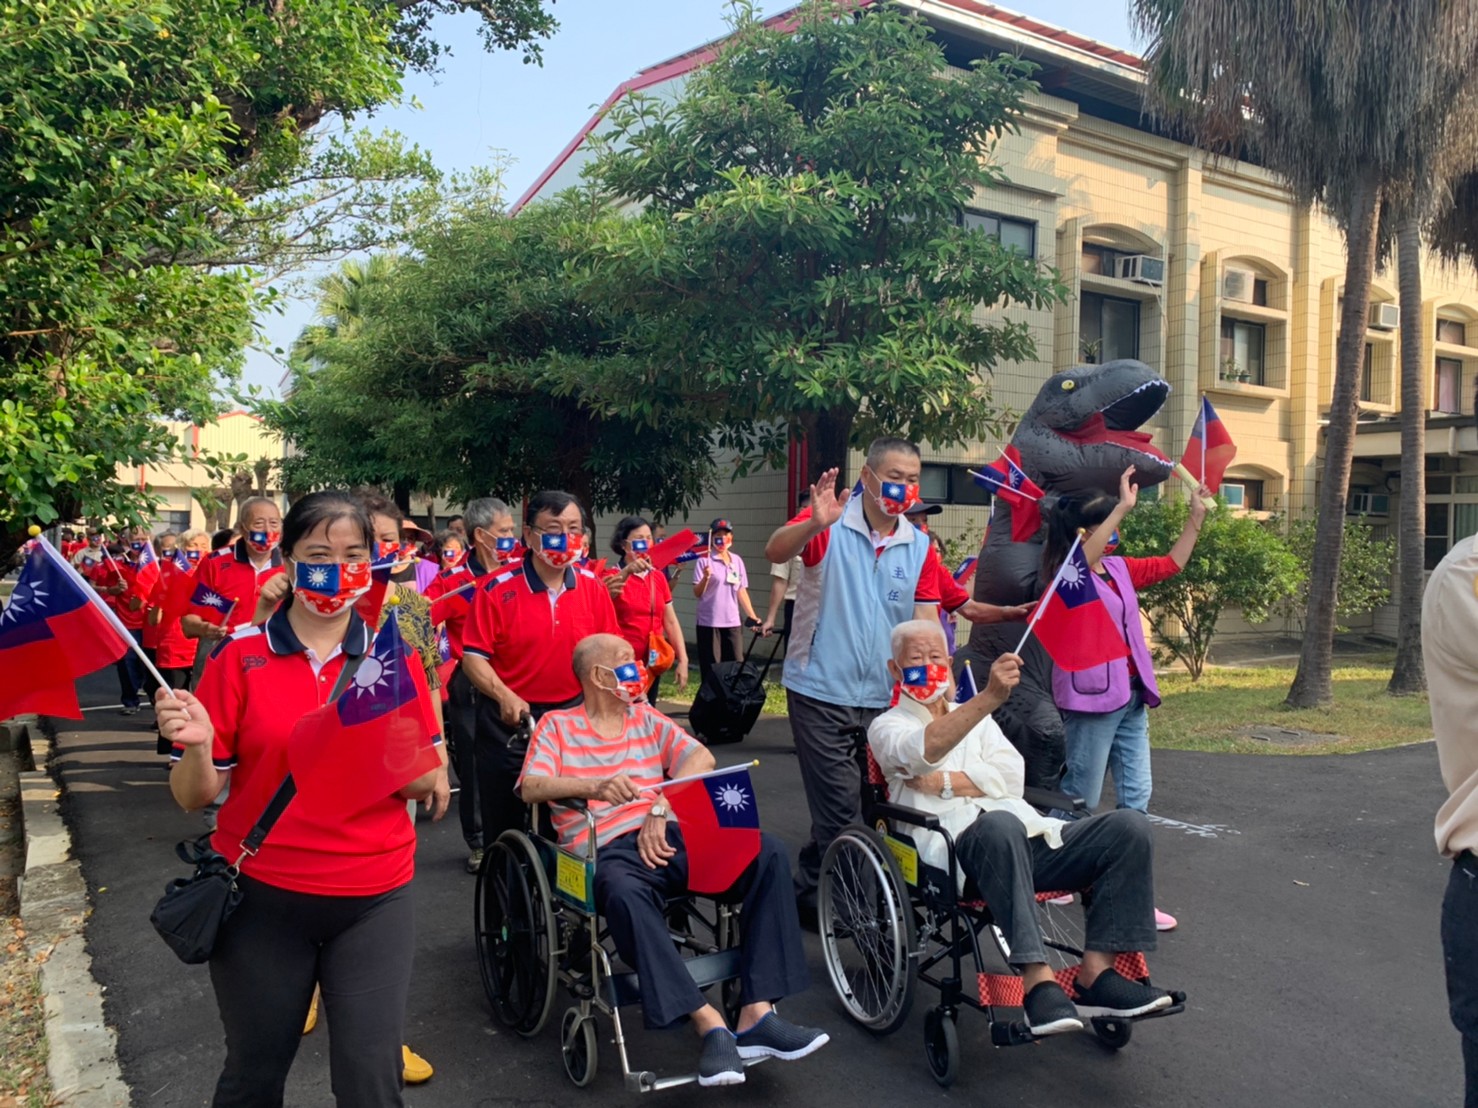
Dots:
pixel 1164 921
pixel 1061 901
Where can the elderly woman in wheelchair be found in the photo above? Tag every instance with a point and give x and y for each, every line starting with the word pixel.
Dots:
pixel 965 850
pixel 600 767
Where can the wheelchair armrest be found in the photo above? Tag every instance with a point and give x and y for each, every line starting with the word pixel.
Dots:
pixel 574 803
pixel 1046 798
pixel 902 814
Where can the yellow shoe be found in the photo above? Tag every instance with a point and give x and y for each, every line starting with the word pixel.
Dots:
pixel 417 1069
pixel 312 1021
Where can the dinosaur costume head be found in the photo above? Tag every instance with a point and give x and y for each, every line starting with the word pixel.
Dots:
pixel 1076 439
pixel 1082 431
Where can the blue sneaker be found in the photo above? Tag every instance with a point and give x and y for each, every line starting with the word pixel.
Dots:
pixel 774 1037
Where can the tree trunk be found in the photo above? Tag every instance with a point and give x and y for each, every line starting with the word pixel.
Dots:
pixel 1408 677
pixel 401 494
pixel 1313 683
pixel 829 434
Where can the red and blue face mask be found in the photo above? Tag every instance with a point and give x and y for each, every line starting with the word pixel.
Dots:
pixel 263 541
pixel 451 559
pixel 192 555
pixel 639 547
pixel 895 498
pixel 329 587
pixel 559 551
pixel 507 548
pixel 1113 542
pixel 925 684
pixel 631 681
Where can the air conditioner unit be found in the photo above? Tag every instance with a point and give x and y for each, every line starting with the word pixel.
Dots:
pixel 1143 269
pixel 1236 285
pixel 1385 317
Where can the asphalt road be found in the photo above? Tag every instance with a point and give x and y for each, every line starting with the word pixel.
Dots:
pixel 1308 891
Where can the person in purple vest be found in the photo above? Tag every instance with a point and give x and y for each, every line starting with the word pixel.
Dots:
pixel 1104 708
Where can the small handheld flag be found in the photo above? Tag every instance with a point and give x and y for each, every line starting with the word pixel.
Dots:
pixel 1210 450
pixel 666 552
pixel 720 825
pixel 1071 622
pixel 966 569
pixel 965 687
pixel 1019 491
pixel 145 574
pixel 210 605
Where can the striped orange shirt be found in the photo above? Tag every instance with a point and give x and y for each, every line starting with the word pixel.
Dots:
pixel 565 744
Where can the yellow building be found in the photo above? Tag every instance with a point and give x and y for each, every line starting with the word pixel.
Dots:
pixel 234 434
pixel 1206 270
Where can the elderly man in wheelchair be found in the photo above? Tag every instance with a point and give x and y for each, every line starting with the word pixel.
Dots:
pixel 606 760
pixel 952 765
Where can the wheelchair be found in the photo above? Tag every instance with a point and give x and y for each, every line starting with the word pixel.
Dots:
pixel 889 920
pixel 538 932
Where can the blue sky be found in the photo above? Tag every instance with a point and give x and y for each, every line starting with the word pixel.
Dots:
pixel 482 103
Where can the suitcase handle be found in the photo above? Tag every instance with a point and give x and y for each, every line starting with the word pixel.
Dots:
pixel 774 652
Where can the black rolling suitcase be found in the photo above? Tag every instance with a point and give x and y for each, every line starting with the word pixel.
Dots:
pixel 730 700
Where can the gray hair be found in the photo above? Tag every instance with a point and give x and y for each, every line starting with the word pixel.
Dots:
pixel 190 535
pixel 911 629
pixel 592 651
pixel 484 512
pixel 881 448
pixel 254 502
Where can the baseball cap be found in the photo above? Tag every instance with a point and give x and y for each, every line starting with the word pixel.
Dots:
pixel 721 524
pixel 925 510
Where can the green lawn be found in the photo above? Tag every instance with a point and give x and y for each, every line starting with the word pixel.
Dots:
pixel 1217 712
pixel 1212 713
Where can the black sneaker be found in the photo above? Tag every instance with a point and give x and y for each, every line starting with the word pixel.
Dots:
pixel 1049 1011
pixel 774 1037
pixel 127 711
pixel 806 913
pixel 719 1062
pixel 1112 994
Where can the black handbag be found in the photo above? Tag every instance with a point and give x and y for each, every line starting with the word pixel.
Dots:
pixel 189 915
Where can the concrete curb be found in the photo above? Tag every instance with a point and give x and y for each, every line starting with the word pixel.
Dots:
pixel 82 1050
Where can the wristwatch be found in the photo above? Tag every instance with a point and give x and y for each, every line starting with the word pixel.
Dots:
pixel 659 809
pixel 947 790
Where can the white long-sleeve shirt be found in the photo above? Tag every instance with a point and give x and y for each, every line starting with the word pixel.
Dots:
pixel 984 755
pixel 1450 653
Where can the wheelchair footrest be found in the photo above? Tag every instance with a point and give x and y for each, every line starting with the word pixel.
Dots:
pixel 705 970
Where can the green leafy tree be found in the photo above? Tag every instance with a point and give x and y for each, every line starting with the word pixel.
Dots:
pixel 794 259
pixel 1239 562
pixel 1347 103
pixel 473 368
pixel 159 164
pixel 1363 583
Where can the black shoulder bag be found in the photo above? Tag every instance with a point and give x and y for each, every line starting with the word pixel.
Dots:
pixel 190 913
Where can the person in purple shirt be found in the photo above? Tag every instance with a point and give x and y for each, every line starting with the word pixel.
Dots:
pixel 721 584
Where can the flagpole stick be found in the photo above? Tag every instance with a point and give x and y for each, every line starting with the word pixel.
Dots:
pixel 1190 479
pixel 1042 603
pixel 700 776
pixel 102 606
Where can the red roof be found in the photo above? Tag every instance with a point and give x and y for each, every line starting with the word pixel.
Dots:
pixel 686 63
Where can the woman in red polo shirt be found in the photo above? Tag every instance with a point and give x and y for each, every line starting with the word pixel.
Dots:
pixel 643 599
pixel 325 900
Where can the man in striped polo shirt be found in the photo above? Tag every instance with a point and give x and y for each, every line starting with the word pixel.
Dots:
pixel 606 751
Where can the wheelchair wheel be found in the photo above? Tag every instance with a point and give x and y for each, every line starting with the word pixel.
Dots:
pixel 1112 1033
pixel 942 1045
pixel 1062 934
pixel 516 937
pixel 867 929
pixel 579 1046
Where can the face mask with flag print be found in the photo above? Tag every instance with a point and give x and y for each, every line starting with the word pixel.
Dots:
pixel 451 559
pixel 639 547
pixel 895 499
pixel 925 684
pixel 263 542
pixel 192 556
pixel 1112 544
pixel 631 681
pixel 137 547
pixel 557 551
pixel 327 588
pixel 507 548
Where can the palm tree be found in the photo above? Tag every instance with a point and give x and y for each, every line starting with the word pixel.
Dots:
pixel 341 304
pixel 1335 97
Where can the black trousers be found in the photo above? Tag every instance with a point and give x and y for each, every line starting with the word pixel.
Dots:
pixel 632 898
pixel 461 736
pixel 1460 953
pixel 273 950
pixel 499 763
pixel 130 672
pixel 718 644
pixel 1110 852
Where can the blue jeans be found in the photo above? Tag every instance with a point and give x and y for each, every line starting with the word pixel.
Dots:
pixel 130 673
pixel 1117 742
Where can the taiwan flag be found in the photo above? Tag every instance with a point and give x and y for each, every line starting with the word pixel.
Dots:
pixel 212 606
pixel 372 603
pixel 674 548
pixel 446 662
pixel 51 633
pixel 698 548
pixel 720 825
pixel 1074 626
pixel 966 569
pixel 178 588
pixel 1010 482
pixel 965 689
pixel 1211 449
pixel 378 736
pixel 145 576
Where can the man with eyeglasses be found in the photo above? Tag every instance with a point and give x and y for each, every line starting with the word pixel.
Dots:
pixel 518 647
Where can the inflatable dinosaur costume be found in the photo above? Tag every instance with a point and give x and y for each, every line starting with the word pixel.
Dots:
pixel 1078 436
